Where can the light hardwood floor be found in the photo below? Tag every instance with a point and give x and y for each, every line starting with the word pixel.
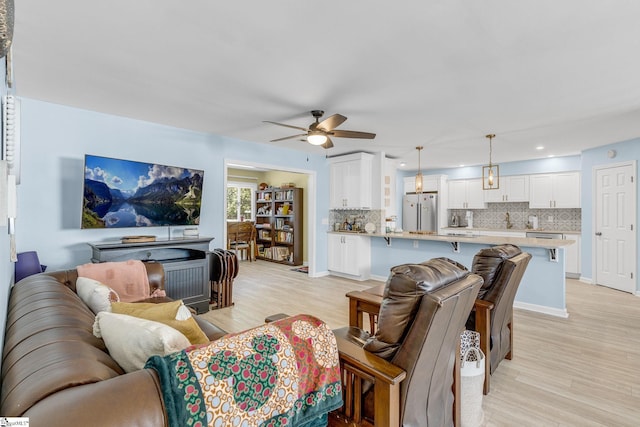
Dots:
pixel 580 371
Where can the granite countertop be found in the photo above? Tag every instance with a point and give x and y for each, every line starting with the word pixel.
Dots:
pixel 515 230
pixel 490 240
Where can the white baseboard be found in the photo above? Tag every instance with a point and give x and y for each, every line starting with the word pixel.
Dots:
pixel 542 309
pixel 586 280
pixel 378 278
pixel 321 274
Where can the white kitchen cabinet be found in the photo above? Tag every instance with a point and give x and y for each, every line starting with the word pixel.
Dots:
pixel 429 183
pixel 512 189
pixel 466 194
pixel 351 178
pixel 350 254
pixel 388 195
pixel 572 256
pixel 555 190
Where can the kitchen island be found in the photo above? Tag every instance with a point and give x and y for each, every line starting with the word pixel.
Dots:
pixel 542 288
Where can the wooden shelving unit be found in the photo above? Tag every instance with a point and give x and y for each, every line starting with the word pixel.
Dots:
pixel 279 225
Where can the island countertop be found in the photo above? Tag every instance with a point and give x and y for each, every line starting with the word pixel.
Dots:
pixel 489 240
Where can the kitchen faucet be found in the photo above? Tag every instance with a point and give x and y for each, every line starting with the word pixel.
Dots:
pixel 508 219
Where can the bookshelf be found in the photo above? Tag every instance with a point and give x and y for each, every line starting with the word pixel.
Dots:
pixel 279 225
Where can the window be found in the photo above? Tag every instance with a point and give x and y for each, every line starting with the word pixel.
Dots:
pixel 240 205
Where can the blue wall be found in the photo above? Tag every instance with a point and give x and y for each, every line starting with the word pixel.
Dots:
pixel 55 139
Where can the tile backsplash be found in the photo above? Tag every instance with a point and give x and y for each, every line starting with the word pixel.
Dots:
pixel 548 219
pixel 374 216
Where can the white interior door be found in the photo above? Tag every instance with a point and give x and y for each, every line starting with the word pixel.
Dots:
pixel 615 235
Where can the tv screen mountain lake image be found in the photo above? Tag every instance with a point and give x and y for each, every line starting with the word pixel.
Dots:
pixel 124 193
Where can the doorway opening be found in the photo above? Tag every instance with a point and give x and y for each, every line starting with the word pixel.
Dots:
pixel 615 236
pixel 244 177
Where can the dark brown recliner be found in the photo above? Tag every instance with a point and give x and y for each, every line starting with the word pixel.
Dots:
pixel 502 268
pixel 403 375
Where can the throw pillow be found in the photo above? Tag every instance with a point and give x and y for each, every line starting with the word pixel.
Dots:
pixel 96 295
pixel 131 341
pixel 173 314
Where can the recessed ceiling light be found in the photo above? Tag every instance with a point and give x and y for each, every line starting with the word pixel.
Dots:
pixel 539 147
pixel 403 164
pixel 550 155
pixel 461 166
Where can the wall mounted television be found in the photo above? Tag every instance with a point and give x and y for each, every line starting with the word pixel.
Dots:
pixel 124 193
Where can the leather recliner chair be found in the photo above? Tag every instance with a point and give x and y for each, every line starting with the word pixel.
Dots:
pixel 403 375
pixel 502 268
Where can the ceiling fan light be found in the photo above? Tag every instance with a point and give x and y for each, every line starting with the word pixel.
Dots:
pixel 316 138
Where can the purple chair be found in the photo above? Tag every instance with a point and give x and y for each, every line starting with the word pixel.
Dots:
pixel 27 265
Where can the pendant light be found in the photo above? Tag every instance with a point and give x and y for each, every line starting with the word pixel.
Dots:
pixel 491 173
pixel 419 181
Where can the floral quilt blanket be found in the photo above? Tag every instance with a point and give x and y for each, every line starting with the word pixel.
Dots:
pixel 284 373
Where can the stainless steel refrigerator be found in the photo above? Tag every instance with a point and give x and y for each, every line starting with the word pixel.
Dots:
pixel 420 212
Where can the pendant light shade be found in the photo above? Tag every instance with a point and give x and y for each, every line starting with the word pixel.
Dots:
pixel 490 173
pixel 419 182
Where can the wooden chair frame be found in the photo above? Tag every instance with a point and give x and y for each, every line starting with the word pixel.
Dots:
pixel 358 365
pixel 241 237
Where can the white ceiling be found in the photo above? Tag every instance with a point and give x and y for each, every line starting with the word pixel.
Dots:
pixel 439 73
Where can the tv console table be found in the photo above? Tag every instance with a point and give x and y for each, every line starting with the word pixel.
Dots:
pixel 185 262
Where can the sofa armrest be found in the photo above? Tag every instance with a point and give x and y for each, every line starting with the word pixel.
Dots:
pixel 483 327
pixel 351 351
pixel 155 271
pixel 133 399
pixel 359 367
pixel 210 330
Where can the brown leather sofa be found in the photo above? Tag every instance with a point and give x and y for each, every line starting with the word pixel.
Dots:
pixel 57 373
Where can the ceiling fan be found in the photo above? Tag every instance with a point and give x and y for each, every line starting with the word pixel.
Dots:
pixel 319 132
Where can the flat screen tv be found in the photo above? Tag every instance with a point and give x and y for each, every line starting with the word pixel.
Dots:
pixel 124 193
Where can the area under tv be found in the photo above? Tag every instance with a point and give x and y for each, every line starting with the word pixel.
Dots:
pixel 185 262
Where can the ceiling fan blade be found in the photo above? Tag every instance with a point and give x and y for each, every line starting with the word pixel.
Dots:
pixel 289 137
pixel 327 144
pixel 331 122
pixel 287 126
pixel 352 134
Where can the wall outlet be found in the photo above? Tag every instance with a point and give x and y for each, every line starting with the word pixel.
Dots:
pixel 415 244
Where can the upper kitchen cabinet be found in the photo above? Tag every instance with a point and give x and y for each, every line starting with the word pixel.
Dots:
pixel 430 183
pixel 466 194
pixel 554 190
pixel 351 178
pixel 512 189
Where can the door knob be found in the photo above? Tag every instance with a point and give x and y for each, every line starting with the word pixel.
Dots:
pixel 598 234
